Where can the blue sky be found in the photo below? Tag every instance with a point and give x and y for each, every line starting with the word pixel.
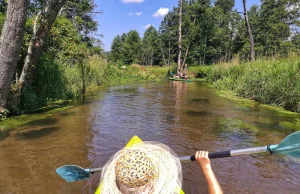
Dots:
pixel 121 16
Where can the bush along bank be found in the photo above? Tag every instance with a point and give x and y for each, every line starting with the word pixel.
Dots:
pixel 56 83
pixel 273 82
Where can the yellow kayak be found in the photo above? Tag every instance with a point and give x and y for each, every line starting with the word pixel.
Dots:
pixel 134 140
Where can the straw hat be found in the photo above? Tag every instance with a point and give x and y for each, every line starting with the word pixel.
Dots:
pixel 147 167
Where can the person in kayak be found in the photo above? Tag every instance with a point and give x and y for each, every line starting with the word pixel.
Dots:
pixel 204 162
pixel 144 168
pixel 150 167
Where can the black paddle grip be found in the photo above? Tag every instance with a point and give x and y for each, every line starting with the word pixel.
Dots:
pixel 214 155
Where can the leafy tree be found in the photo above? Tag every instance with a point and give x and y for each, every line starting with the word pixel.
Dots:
pixel 225 5
pixel 168 37
pixel 224 23
pixel 81 23
pixel 213 31
pixel 42 25
pixel 131 47
pixel 65 39
pixel 274 25
pixel 151 54
pixel 123 37
pixel 79 12
pixel 116 53
pixel 204 27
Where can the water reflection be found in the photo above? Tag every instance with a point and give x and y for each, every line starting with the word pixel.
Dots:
pixel 36 133
pixel 197 113
pixel 199 101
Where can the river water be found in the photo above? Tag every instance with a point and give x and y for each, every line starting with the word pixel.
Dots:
pixel 185 116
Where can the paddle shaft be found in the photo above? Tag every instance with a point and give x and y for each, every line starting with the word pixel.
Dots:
pixel 92 170
pixel 224 154
pixel 212 155
pixel 231 153
pixel 215 155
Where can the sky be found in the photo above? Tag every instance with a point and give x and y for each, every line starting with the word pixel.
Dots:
pixel 121 16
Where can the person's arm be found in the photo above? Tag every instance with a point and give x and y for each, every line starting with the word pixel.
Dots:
pixel 213 184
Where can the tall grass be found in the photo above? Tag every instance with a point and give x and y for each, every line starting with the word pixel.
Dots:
pixel 270 81
pixel 55 81
pixel 135 73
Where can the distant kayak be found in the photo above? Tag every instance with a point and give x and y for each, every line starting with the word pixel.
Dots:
pixel 179 79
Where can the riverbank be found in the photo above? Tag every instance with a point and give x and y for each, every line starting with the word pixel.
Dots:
pixel 55 82
pixel 13 122
pixel 274 82
pixel 58 87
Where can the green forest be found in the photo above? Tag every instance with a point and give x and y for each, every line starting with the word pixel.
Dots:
pixel 57 53
pixel 216 46
pixel 55 64
pixel 214 32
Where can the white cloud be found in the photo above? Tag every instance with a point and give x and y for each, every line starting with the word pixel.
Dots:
pixel 130 14
pixel 161 12
pixel 139 13
pixel 147 26
pixel 132 1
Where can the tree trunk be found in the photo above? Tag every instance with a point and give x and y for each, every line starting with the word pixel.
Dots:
pixel 251 40
pixel 179 38
pixel 42 25
pixel 191 38
pixel 185 57
pixel 10 46
pixel 169 59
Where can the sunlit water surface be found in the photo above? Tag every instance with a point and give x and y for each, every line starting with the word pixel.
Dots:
pixel 185 116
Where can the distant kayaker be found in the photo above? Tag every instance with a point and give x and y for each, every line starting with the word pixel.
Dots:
pixel 203 161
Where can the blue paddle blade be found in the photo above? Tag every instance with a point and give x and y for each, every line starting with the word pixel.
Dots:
pixel 72 173
pixel 289 146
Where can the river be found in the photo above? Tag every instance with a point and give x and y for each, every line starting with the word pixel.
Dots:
pixel 185 116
